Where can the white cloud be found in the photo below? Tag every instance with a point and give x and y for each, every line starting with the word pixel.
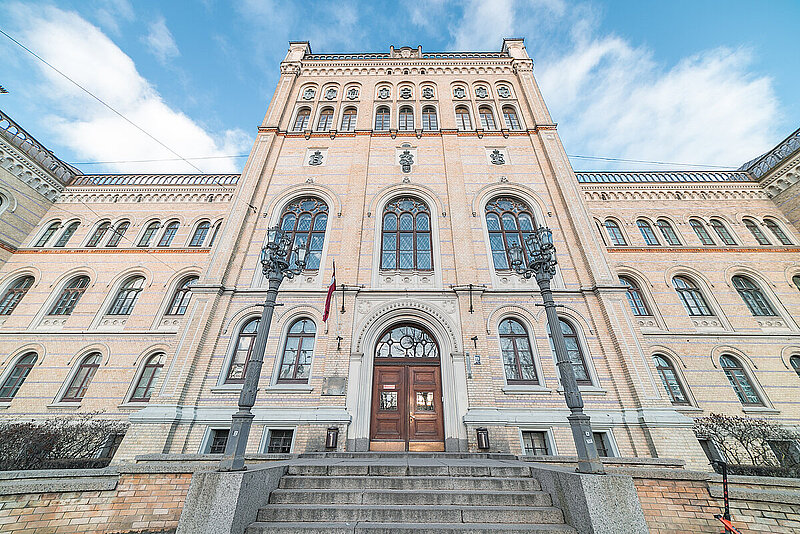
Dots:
pixel 109 13
pixel 483 25
pixel 84 53
pixel 160 42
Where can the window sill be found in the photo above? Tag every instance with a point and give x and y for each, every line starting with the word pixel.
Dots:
pixel 586 390
pixel 131 405
pixel 526 389
pixel 65 405
pixel 227 388
pixel 687 409
pixel 289 388
pixel 760 409
pixel 4 404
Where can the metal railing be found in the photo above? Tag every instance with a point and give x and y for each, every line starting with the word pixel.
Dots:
pixel 154 179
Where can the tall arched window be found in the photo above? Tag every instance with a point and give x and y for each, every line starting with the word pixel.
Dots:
pixel 406 118
pixel 429 120
pixel 647 232
pixel 147 380
pixel 777 231
pixel 463 122
pixel 753 297
pixel 669 377
pixel 487 118
pixel 45 237
pixel 795 361
pixel 304 221
pixel 242 351
pixel 517 355
pixel 14 294
pixel 722 231
pixel 17 376
pixel 756 231
pixel 298 352
pixel 349 120
pixel 691 297
pixel 382 118
pixel 700 229
pixel 668 232
pixel 301 120
pixel 510 118
pixel 148 234
pixel 169 234
pixel 126 297
pixel 614 233
pixel 325 120
pixel 574 352
pixel 200 234
pixel 67 234
pixel 510 222
pixel 117 233
pixel 739 380
pixel 183 294
pixel 70 296
pixel 82 378
pixel 635 298
pixel 98 234
pixel 406 235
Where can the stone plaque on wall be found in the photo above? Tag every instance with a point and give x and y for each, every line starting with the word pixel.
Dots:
pixel 334 385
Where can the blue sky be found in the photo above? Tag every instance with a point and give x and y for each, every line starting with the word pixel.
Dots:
pixel 707 83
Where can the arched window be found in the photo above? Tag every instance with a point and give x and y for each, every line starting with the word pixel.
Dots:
pixel 691 296
pixel 669 377
pixel 182 296
pixel 200 234
pixel 147 380
pixel 64 238
pixel 739 380
pixel 169 234
pixel 45 237
pixel 406 236
pixel 70 296
pixel 756 231
pixel 325 120
pixel 82 378
pixel 17 376
pixel 406 342
pixel 722 231
pixel 463 121
pixel 487 118
pixel 382 118
pixel 349 120
pixel 635 298
pixel 429 120
pixel 98 234
pixel 304 222
pixel 241 354
pixel 700 230
pixel 14 294
pixel 510 117
pixel 574 352
pixel 647 232
pixel 301 120
pixel 777 231
pixel 406 118
pixel 297 352
pixel 795 361
pixel 126 296
pixel 753 297
pixel 117 233
pixel 148 234
pixel 668 232
pixel 615 233
pixel 510 222
pixel 517 355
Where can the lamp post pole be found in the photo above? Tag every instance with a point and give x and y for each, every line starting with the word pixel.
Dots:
pixel 276 264
pixel 540 258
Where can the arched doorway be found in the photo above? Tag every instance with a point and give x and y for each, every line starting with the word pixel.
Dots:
pixel 407 412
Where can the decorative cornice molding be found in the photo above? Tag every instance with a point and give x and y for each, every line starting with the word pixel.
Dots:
pixel 19 165
pixel 149 194
pixel 112 250
pixel 607 192
pixel 673 250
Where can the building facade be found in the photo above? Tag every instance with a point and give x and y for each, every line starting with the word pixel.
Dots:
pixel 413 172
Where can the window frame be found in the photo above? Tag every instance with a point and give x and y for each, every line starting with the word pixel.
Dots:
pixel 197 239
pixel 210 437
pixel 158 367
pixel 9 301
pixel 460 112
pixel 735 383
pixel 549 450
pixel 20 378
pixel 636 299
pixel 85 379
pixel 126 296
pixel 511 120
pixel 302 119
pixel 231 360
pixel 98 234
pixel 662 370
pixel 419 208
pixel 487 118
pixel 794 362
pixel 701 232
pixel 181 297
pixel 169 233
pixel 618 239
pixel 267 437
pixel 325 114
pixel 404 115
pixel 583 352
pixel 698 299
pixel 47 234
pixel 753 296
pixel 535 381
pixel 760 237
pixel 148 233
pixel 117 234
pixel 66 235
pixel 302 338
pixel 518 207
pixel 297 208
pixel 722 231
pixel 385 115
pixel 667 230
pixel 779 233
pixel 649 236
pixel 351 114
pixel 69 296
pixel 430 119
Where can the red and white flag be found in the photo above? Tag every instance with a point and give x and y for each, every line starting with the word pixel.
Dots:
pixel 328 299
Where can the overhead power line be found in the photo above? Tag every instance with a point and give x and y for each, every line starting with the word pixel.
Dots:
pixel 605 158
pixel 154 160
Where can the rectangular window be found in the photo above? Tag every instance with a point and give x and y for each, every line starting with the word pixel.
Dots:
pixel 786 451
pixel 602 444
pixel 535 443
pixel 712 453
pixel 218 441
pixel 279 441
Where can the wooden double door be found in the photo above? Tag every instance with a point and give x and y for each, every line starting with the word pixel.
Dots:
pixel 407 412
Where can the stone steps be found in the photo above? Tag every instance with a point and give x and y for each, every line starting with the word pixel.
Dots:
pixel 410 497
pixel 410 483
pixel 402 528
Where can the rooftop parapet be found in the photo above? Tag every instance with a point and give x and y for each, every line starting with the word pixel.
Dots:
pixel 94 180
pixel 763 164
pixel 662 176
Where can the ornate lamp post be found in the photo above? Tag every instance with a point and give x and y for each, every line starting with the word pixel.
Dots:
pixel 539 260
pixel 276 264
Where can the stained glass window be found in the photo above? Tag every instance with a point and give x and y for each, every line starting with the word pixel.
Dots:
pixel 407 341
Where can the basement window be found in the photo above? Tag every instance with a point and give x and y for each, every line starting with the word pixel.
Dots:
pixel 218 441
pixel 280 441
pixel 535 443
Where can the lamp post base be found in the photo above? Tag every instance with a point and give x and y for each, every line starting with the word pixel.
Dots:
pixel 237 441
pixel 588 461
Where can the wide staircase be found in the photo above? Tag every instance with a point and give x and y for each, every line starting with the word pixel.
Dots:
pixel 386 494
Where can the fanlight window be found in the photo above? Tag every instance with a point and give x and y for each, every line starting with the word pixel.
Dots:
pixel 429 120
pixel 325 120
pixel 147 380
pixel 615 233
pixel 517 355
pixel 83 377
pixel 635 298
pixel 722 231
pixel 67 234
pixel 98 234
pixel 753 297
pixel 148 234
pixel 691 297
pixel 407 341
pixel 169 234
pixel 647 232
pixel 777 231
pixel 126 296
pixel 795 361
pixel 182 296
pixel 463 121
pixel 574 352
pixel 510 222
pixel 298 352
pixel 14 294
pixel 117 233
pixel 668 232
pixel 406 238
pixel 304 221
pixel 200 234
pixel 45 237
pixel 382 118
pixel 756 231
pixel 17 376
pixel 70 296
pixel 487 118
pixel 406 118
pixel 301 120
pixel 740 382
pixel 242 352
pixel 510 117
pixel 669 377
pixel 349 120
pixel 702 233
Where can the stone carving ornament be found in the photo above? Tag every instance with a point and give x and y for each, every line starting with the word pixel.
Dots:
pixel 352 93
pixel 308 94
pixel 427 92
pixel 481 92
pixel 504 91
pixel 405 93
pixel 383 93
pixel 406 160
pixel 497 157
pixel 315 158
pixel 459 92
pixel 330 94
